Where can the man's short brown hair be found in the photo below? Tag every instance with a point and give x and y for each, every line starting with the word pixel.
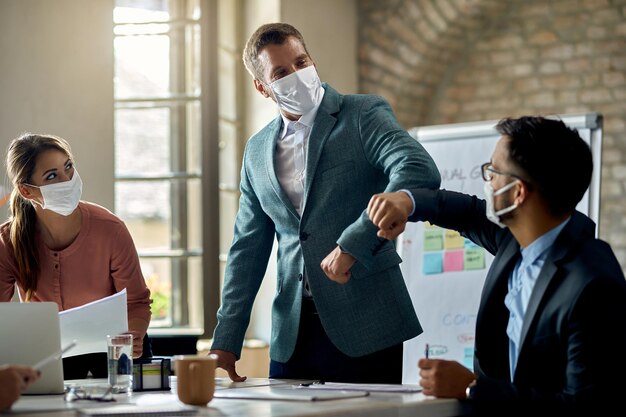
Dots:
pixel 268 34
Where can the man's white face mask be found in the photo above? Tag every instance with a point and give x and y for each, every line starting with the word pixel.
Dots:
pixel 298 92
pixel 62 197
pixel 490 196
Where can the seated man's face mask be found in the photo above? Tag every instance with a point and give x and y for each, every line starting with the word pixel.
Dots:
pixel 490 196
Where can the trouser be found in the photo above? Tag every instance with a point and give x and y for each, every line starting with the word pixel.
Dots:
pixel 316 358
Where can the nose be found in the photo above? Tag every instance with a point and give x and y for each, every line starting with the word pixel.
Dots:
pixel 66 176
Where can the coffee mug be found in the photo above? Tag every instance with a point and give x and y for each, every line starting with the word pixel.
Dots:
pixel 195 378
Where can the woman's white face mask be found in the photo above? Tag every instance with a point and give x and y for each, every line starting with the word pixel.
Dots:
pixel 298 92
pixel 490 196
pixel 61 197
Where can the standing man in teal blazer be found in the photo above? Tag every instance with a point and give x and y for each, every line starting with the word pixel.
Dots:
pixel 341 310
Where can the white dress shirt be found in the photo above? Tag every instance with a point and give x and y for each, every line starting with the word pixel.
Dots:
pixel 290 158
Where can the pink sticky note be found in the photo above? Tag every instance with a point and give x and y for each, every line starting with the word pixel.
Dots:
pixel 453 260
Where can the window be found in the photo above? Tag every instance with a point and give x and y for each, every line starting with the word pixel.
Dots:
pixel 159 179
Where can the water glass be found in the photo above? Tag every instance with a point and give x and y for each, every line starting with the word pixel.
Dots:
pixel 120 357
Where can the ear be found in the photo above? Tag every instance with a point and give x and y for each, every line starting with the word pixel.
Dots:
pixel 26 192
pixel 258 85
pixel 521 193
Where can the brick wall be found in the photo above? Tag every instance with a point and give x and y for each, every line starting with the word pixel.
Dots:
pixel 449 61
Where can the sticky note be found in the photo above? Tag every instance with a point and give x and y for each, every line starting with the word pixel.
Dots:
pixel 453 261
pixel 468 358
pixel 470 244
pixel 429 225
pixel 433 263
pixel 433 239
pixel 474 258
pixel 453 240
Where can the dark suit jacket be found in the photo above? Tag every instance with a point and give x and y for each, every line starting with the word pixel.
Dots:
pixel 573 337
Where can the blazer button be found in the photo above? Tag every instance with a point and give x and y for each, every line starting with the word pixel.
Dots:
pixel 304 236
pixel 299 277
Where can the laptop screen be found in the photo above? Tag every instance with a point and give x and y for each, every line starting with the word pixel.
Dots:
pixel 30 332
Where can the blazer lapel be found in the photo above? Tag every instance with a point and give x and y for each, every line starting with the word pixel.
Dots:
pixel 270 145
pixel 502 265
pixel 323 125
pixel 574 231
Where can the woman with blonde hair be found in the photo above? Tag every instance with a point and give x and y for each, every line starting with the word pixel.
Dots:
pixel 55 247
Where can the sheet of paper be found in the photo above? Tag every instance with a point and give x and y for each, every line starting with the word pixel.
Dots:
pixel 287 394
pixel 405 388
pixel 90 324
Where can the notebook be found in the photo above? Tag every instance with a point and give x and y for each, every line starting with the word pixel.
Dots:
pixel 29 333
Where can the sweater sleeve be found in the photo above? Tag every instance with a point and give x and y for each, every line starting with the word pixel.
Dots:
pixel 126 273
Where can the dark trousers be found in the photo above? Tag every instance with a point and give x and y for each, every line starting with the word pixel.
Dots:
pixel 78 367
pixel 316 358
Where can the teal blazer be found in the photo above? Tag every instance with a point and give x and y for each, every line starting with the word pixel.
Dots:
pixel 356 149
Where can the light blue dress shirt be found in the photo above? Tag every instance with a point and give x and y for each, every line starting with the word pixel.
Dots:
pixel 521 284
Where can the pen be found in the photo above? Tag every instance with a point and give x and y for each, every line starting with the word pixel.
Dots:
pixel 54 356
pixel 426 351
pixel 308 384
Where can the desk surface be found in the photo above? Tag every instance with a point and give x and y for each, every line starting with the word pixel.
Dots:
pixel 376 404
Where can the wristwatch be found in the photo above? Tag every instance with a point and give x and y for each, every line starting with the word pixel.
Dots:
pixel 469 391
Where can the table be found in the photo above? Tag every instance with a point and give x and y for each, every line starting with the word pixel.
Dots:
pixel 375 404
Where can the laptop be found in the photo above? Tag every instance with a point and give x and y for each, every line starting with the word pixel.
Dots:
pixel 30 332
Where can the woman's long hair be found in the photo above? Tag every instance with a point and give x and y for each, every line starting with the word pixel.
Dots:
pixel 22 158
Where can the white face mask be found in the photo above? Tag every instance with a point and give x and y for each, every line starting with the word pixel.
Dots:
pixel 62 197
pixel 298 92
pixel 490 196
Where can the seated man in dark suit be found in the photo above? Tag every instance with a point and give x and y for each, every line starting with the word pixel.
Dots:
pixel 551 326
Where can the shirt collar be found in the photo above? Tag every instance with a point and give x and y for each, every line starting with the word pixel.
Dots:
pixel 539 247
pixel 306 119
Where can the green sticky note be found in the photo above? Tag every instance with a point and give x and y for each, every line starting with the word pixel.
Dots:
pixel 474 258
pixel 433 239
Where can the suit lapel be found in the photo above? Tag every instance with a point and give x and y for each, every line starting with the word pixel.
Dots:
pixel 574 231
pixel 323 125
pixel 270 145
pixel 501 270
pixel 543 280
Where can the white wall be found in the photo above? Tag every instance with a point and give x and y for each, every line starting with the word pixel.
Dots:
pixel 56 76
pixel 330 32
pixel 329 28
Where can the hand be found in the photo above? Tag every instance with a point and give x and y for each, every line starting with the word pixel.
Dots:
pixel 138 328
pixel 226 360
pixel 336 265
pixel 137 343
pixel 444 379
pixel 389 212
pixel 13 380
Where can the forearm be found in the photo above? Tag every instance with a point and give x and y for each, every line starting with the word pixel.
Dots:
pixel 138 327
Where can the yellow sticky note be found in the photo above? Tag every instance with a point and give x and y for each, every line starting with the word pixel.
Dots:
pixel 453 240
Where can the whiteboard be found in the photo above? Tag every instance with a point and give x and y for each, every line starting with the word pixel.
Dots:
pixel 445 272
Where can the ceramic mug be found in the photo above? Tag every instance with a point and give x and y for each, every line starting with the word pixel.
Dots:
pixel 195 378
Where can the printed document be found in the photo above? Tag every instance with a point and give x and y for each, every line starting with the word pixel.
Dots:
pixel 90 324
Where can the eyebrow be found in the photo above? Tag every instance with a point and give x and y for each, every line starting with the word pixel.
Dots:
pixel 303 55
pixel 54 169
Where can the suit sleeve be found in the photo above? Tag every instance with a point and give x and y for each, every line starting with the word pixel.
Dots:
pixel 245 268
pixel 405 162
pixel 457 211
